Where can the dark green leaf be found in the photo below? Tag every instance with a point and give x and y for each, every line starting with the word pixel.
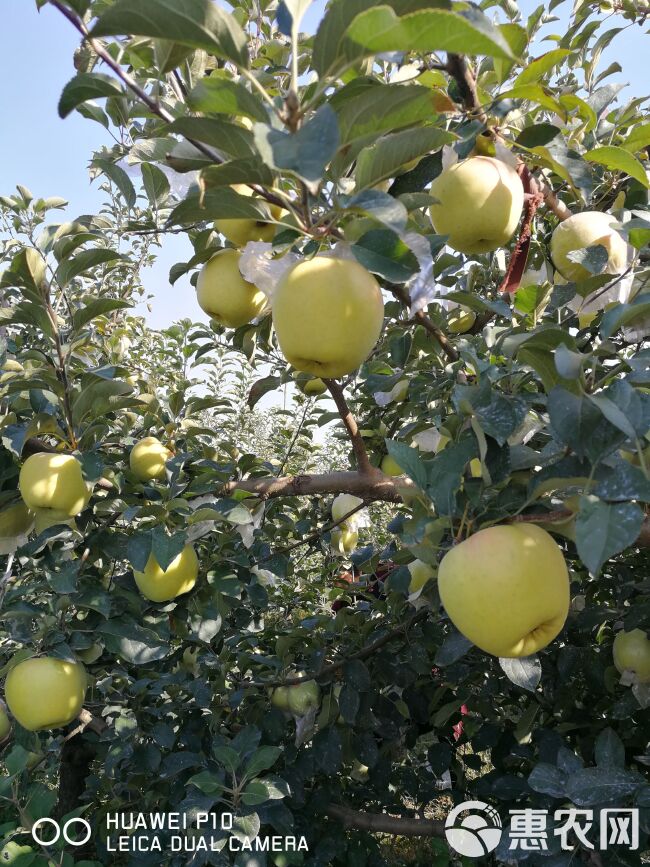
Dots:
pixel 84 261
pixel 228 138
pixel 590 786
pixel 220 95
pixel 525 672
pixel 605 529
pixel 306 152
pixel 94 308
pixel 87 85
pixel 384 253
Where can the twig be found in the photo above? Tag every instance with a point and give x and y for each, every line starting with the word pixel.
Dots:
pixel 4 581
pixel 312 536
pixel 334 666
pixel 358 445
pixel 382 823
pixel 422 319
pixel 149 101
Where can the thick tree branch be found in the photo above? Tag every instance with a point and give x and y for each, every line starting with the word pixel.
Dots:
pixel 350 422
pixel 375 486
pixel 519 256
pixel 382 823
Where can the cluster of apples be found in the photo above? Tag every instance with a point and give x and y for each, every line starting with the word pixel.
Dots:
pixel 46 692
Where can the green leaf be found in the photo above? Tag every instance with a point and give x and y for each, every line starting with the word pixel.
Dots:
pixel 133 642
pixel 454 647
pixel 410 462
pixel 330 48
pixel 217 204
pixel 244 171
pixel 94 308
pixel 579 424
pixel 384 253
pixel 166 548
pixel 638 139
pixel 379 30
pixel 619 159
pixel 262 760
pixel 197 23
pixel 120 178
pixel 84 261
pixel 605 529
pixel 609 750
pixel 229 138
pixel 220 95
pixel 307 152
pixel 624 315
pixel 262 387
pixel 384 108
pixel 525 672
pixel 385 157
pixel 155 183
pixel 382 207
pixel 588 787
pixel 87 85
pixel 536 69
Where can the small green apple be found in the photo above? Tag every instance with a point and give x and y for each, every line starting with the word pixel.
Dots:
pixel 303 697
pixel 632 653
pixel 162 585
pixel 224 294
pixel 390 467
pixel 461 320
pixel 240 232
pixel 344 541
pixel 280 697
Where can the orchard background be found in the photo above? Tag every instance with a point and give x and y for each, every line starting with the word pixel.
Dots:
pixel 539 387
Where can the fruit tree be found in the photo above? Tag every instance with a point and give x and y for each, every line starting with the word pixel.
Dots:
pixel 370 540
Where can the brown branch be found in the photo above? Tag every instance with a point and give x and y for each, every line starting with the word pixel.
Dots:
pixel 460 71
pixel 375 486
pixel 382 823
pixel 559 516
pixel 533 199
pixel 422 319
pixel 350 422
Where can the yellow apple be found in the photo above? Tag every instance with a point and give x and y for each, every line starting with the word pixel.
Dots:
pixel 506 588
pixel 160 585
pixel 476 468
pixel 328 315
pixel 344 541
pixel 10 368
pixel 309 385
pixel 91 654
pixel 344 503
pixel 45 693
pixel 46 518
pixel 303 697
pixel 148 459
pixel 5 722
pixel 461 320
pixel 420 573
pixel 53 481
pixel 390 467
pixel 586 230
pixel 240 232
pixel 280 698
pixel 632 653
pixel 15 520
pixel 400 391
pixel 223 293
pixel 480 201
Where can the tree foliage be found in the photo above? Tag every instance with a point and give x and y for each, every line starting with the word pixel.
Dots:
pixel 544 401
